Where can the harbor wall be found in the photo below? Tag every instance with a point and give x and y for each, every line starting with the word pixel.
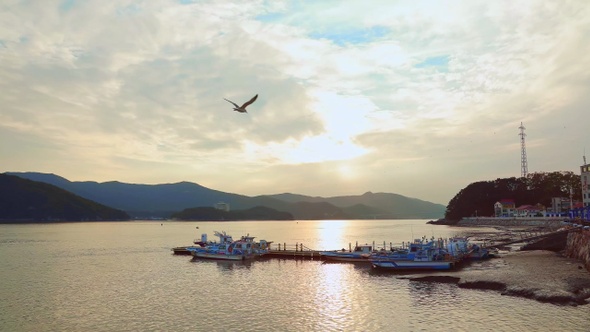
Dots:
pixel 578 246
pixel 524 221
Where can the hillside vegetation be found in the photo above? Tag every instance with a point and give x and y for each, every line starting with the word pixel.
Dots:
pixel 479 198
pixel 213 214
pixel 162 200
pixel 24 200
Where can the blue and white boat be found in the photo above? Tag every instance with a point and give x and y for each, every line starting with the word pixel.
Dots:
pixel 420 255
pixel 361 253
pixel 461 248
pixel 227 249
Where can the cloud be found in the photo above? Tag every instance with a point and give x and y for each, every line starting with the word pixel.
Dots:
pixel 417 98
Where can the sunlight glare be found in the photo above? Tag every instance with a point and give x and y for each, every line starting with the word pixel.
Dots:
pixel 331 234
pixel 346 172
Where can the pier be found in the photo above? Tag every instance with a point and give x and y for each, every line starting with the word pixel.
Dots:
pixel 544 237
pixel 297 251
pixel 292 251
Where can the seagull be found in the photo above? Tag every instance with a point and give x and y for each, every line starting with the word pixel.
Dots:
pixel 242 109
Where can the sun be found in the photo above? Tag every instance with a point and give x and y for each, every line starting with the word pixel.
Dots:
pixel 346 172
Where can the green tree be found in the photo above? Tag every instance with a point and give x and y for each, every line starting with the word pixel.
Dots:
pixel 477 199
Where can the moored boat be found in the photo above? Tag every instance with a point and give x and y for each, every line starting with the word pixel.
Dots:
pixel 461 248
pixel 228 249
pixel 361 253
pixel 420 255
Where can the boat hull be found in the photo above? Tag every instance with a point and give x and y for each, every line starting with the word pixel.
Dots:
pixel 343 257
pixel 412 265
pixel 220 256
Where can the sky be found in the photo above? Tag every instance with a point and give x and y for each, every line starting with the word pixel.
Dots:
pixel 417 98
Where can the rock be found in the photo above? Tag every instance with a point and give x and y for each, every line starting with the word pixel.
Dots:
pixel 540 275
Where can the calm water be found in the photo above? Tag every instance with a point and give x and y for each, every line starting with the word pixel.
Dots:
pixel 123 277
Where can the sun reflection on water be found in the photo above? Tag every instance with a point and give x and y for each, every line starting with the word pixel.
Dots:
pixel 331 234
pixel 333 298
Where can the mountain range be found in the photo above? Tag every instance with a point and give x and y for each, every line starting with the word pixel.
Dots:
pixel 162 200
pixel 23 200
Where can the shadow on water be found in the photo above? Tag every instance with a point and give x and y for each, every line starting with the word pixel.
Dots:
pixel 357 265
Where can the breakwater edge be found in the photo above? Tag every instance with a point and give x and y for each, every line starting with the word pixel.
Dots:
pixel 576 244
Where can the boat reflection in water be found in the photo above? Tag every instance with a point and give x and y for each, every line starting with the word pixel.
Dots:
pixel 226 265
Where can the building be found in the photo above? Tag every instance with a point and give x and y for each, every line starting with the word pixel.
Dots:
pixel 505 208
pixel 560 205
pixel 222 206
pixel 582 210
pixel 530 211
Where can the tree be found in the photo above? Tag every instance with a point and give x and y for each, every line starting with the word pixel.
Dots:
pixel 537 188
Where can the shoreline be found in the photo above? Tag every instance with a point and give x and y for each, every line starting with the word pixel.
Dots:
pixel 540 275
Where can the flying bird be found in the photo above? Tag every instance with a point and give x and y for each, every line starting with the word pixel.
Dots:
pixel 242 109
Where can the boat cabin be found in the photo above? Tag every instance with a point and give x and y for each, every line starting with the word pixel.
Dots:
pixel 363 249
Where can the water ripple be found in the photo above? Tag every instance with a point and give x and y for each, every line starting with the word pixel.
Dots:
pixel 123 277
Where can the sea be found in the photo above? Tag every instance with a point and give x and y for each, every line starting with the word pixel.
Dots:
pixel 123 276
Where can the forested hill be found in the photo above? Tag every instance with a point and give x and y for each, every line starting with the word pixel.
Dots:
pixel 478 199
pixel 142 200
pixel 210 213
pixel 24 200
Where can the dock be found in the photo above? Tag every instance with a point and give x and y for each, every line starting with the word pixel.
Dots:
pixel 300 251
pixel 297 251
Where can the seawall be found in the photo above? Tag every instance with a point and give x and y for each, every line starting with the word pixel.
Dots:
pixel 578 246
pixel 483 221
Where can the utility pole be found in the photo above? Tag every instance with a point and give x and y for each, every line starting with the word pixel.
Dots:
pixel 523 163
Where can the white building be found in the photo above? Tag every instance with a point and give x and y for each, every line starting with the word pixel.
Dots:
pixel 222 206
pixel 505 208
pixel 560 204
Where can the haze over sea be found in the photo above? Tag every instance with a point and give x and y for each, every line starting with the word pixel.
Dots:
pixel 122 276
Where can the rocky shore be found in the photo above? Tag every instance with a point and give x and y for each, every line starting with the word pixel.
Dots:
pixel 539 271
pixel 541 275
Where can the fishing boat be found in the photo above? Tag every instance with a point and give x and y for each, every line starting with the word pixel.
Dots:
pixel 361 253
pixel 420 255
pixel 202 242
pixel 199 245
pixel 227 249
pixel 461 248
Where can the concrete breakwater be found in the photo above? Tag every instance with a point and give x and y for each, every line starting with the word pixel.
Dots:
pixel 488 221
pixel 578 241
pixel 578 246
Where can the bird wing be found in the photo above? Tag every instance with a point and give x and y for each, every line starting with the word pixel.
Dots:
pixel 236 105
pixel 249 101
